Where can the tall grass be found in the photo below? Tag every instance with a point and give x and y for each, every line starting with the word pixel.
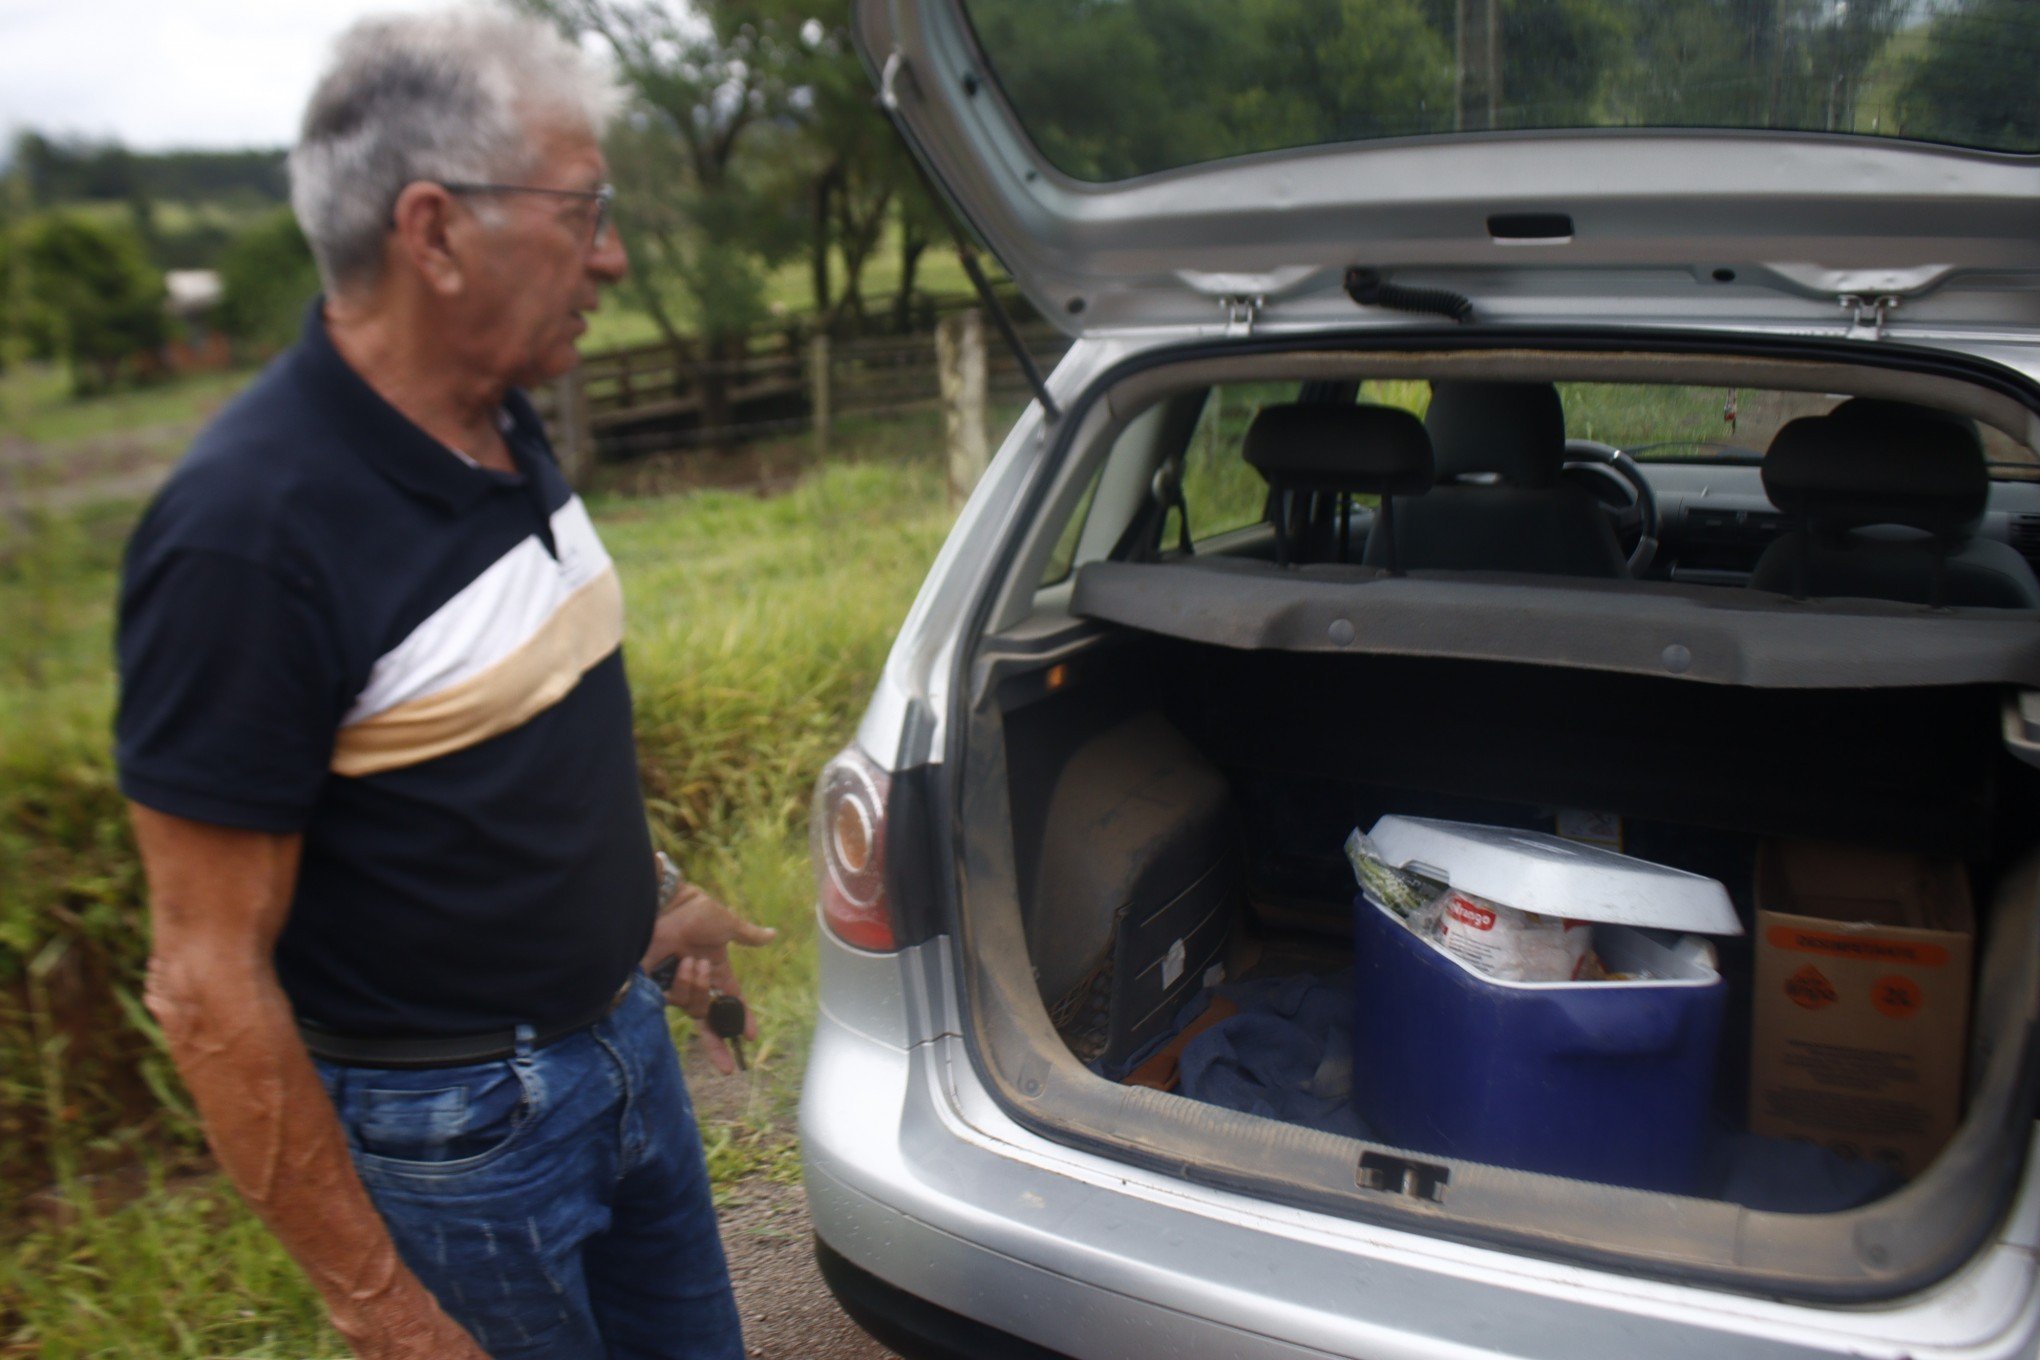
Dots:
pixel 76 1074
pixel 757 629
pixel 177 1272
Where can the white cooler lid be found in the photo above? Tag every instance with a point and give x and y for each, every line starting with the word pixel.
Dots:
pixel 1556 877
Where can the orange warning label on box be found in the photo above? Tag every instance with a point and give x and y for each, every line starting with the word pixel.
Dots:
pixel 1915 953
pixel 1897 996
pixel 1810 988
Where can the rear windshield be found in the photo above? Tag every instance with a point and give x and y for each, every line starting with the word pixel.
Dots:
pixel 1110 89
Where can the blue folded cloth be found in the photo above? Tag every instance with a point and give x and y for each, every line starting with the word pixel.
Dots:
pixel 1288 1054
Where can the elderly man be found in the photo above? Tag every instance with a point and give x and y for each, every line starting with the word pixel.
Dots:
pixel 376 737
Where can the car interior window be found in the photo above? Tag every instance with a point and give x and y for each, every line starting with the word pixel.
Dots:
pixel 1679 423
pixel 1405 394
pixel 1221 492
pixel 1505 499
pixel 1064 557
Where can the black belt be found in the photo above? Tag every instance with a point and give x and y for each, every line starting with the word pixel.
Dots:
pixel 444 1051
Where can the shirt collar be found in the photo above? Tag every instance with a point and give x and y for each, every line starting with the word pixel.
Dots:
pixel 383 436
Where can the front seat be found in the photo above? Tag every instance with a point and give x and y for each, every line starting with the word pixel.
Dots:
pixel 1498 503
pixel 1317 456
pixel 1888 497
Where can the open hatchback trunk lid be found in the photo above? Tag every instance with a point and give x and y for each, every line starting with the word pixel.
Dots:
pixel 1214 167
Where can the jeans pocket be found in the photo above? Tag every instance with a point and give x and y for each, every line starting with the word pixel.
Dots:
pixel 439 1121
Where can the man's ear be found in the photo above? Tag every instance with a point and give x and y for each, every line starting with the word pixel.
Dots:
pixel 423 221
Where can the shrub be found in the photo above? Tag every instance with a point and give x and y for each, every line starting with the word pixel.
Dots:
pixel 94 300
pixel 266 280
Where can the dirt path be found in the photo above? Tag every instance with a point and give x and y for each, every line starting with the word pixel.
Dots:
pixel 788 1312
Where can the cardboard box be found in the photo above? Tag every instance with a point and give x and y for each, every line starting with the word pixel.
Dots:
pixel 1862 999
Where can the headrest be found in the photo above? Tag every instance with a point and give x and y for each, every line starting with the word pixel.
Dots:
pixel 1321 446
pixel 1871 461
pixel 1515 431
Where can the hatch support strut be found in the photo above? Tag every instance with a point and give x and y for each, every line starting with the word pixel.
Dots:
pixel 1028 367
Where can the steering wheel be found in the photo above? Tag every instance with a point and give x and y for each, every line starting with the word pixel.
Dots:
pixel 1632 506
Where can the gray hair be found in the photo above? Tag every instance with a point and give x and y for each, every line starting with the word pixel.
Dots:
pixel 450 97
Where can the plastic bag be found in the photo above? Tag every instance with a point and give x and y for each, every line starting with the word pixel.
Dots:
pixel 1495 940
pixel 1401 891
pixel 1510 945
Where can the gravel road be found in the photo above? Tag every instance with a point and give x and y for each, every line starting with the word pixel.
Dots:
pixel 788 1313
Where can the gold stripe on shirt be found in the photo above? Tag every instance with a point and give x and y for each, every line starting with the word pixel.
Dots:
pixel 587 626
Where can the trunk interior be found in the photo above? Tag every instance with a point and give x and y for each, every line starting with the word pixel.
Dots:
pixel 1177 814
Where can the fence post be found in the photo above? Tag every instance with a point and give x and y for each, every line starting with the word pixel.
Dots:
pixel 960 367
pixel 576 442
pixel 818 389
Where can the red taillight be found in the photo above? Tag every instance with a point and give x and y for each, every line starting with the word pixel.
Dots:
pixel 847 835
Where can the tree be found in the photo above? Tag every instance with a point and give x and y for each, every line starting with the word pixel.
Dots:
pixel 1975 83
pixel 14 192
pixel 93 299
pixel 1114 88
pixel 266 280
pixel 1756 63
pixel 923 222
pixel 708 81
pixel 8 321
pixel 863 179
pixel 1557 56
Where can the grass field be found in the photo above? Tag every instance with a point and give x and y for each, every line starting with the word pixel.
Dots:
pixel 49 438
pixel 757 630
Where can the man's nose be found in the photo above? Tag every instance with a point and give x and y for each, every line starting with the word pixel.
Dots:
pixel 608 261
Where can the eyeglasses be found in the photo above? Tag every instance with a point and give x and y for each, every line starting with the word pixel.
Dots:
pixel 604 196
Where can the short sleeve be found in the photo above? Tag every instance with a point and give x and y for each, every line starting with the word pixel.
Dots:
pixel 229 685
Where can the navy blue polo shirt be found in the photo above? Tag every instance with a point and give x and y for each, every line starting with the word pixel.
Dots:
pixel 332 624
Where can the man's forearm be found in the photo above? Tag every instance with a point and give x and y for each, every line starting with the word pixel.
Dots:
pixel 218 899
pixel 232 1036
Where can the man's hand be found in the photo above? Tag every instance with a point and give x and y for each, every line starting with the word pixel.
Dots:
pixel 699 931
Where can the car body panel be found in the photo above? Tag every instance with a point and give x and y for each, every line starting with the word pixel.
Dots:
pixel 1682 227
pixel 913 1171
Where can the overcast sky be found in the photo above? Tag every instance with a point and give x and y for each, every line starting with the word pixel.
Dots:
pixel 168 73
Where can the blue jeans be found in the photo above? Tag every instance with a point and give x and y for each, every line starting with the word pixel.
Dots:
pixel 556 1202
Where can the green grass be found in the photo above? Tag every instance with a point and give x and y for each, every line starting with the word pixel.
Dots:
pixel 72 440
pixel 185 1272
pixel 758 627
pixel 36 403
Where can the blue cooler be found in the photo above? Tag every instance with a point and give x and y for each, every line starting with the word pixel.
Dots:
pixel 1606 1081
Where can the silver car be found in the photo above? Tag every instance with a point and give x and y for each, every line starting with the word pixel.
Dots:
pixel 1616 414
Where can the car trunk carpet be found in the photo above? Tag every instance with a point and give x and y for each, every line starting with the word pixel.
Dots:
pixel 1286 1053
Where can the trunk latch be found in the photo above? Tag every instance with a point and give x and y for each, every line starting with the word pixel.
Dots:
pixel 1240 311
pixel 1867 313
pixel 1401 1176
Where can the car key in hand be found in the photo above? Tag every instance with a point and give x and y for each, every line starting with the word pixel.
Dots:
pixel 726 1022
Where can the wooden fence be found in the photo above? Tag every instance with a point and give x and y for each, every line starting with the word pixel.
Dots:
pixel 649 399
